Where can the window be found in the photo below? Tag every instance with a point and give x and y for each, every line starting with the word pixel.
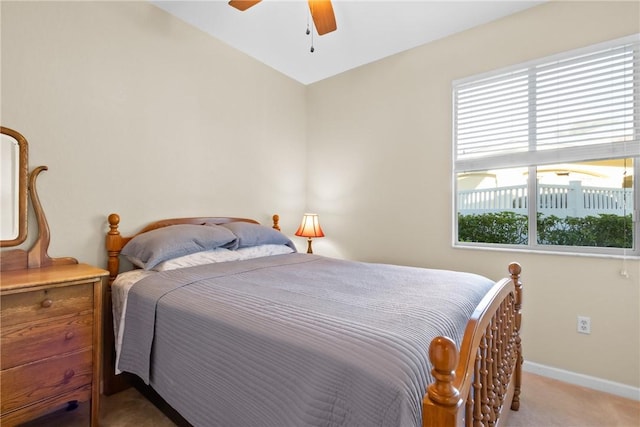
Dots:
pixel 546 154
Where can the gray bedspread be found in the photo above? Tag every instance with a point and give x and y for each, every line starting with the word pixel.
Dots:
pixel 294 340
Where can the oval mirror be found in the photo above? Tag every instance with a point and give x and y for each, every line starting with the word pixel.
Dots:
pixel 13 183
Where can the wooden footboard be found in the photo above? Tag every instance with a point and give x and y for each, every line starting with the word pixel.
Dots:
pixel 473 386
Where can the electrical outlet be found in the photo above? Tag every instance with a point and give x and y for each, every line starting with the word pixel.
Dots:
pixel 584 324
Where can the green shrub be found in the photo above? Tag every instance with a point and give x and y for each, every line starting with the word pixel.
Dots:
pixel 603 230
pixel 498 227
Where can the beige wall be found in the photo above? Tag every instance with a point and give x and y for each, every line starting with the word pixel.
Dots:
pixel 137 113
pixel 379 143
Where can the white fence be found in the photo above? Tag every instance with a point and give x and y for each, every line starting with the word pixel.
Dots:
pixel 559 200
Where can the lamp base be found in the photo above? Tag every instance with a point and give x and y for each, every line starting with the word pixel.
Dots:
pixel 309 250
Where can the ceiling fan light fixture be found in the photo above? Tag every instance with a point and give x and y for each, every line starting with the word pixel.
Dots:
pixel 321 13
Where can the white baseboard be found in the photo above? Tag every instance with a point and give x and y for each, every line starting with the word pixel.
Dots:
pixel 575 378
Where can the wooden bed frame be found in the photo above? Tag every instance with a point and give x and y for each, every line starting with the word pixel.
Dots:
pixel 473 385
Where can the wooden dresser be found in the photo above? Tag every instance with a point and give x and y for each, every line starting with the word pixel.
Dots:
pixel 51 338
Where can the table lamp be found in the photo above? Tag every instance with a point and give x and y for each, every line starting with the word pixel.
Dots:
pixel 309 228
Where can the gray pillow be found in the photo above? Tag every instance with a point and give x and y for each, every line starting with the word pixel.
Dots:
pixel 251 234
pixel 149 249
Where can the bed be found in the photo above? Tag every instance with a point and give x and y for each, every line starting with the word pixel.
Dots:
pixel 229 325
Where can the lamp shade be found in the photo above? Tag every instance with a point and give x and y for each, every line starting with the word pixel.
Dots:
pixel 310 226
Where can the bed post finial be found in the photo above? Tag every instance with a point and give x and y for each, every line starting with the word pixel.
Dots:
pixel 515 269
pixel 444 358
pixel 114 220
pixel 276 219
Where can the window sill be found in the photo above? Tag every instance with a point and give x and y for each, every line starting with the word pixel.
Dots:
pixel 530 250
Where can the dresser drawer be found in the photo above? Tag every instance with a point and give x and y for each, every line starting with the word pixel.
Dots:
pixel 27 384
pixel 43 407
pixel 44 304
pixel 28 342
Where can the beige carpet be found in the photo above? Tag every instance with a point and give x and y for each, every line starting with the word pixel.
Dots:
pixel 544 403
pixel 548 403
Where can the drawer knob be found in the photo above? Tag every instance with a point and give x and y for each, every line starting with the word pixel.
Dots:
pixel 68 374
pixel 68 335
pixel 46 303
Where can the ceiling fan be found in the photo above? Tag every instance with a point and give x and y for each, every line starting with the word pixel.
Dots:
pixel 321 12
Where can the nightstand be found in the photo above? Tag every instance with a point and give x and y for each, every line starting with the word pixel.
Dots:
pixel 51 339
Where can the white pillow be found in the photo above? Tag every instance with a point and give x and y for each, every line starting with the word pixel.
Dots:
pixel 222 255
pixel 263 250
pixel 198 258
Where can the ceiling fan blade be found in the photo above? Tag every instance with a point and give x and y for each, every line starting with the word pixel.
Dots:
pixel 323 17
pixel 243 4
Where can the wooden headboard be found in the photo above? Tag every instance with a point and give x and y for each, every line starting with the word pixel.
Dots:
pixel 115 241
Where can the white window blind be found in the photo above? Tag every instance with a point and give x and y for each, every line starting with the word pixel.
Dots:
pixel 576 106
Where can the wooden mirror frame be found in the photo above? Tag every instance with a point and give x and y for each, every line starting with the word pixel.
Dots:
pixel 36 256
pixel 22 174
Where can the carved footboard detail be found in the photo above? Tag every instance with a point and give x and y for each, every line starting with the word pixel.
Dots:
pixel 515 276
pixel 472 386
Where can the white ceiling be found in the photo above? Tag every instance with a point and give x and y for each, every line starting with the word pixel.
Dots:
pixel 273 31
